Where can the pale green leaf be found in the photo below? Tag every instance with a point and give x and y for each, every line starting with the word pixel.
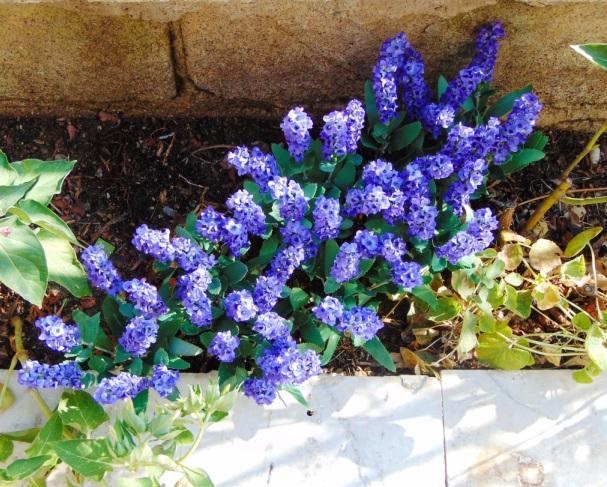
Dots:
pixel 89 458
pixel 50 174
pixel 467 337
pixel 596 346
pixel 22 263
pixel 45 218
pixel 11 194
pixel 80 410
pixel 64 268
pixel 579 241
pixel 595 53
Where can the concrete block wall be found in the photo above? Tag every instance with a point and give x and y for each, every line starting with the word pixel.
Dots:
pixel 259 57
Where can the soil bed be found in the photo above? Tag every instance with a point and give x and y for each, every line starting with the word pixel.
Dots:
pixel 154 171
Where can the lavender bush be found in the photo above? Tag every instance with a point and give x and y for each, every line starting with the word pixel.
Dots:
pixel 322 232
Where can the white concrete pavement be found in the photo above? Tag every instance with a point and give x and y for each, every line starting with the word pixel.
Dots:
pixel 470 429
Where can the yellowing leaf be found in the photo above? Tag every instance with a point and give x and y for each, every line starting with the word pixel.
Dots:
pixel 574 269
pixel 545 256
pixel 511 255
pixel 467 337
pixel 546 295
pixel 461 284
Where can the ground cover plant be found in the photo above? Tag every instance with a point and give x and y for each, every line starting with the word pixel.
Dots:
pixel 323 232
pixel 320 233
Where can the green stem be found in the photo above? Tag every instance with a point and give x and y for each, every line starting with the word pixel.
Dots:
pixel 197 440
pixel 7 378
pixel 584 201
pixel 21 354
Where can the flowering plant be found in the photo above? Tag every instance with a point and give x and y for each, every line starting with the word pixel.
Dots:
pixel 305 253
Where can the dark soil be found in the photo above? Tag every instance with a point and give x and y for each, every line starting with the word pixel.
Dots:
pixel 155 171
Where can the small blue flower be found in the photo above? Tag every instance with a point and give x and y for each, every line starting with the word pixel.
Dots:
pixel 145 298
pixel 101 272
pixel 296 128
pixel 190 256
pixel 239 306
pixel 155 243
pixel 247 212
pixel 164 380
pixel 261 390
pixel 407 274
pixel 138 336
pixel 121 386
pixel 327 219
pixel 44 376
pixel 224 346
pixel 346 264
pixel 329 311
pixel 361 322
pixel 56 334
pixel 271 326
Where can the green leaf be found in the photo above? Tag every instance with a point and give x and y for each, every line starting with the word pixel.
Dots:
pixel 22 469
pixel 441 86
pixel 140 482
pixel 425 294
pixel 298 297
pixel 581 321
pixel 50 177
pixel 266 252
pixel 505 103
pixel 345 176
pixel 595 346
pixel 371 104
pixel 404 135
pixel 181 348
pixel 88 325
pixel 64 268
pixel 575 268
pixel 22 263
pixel 78 409
pixel 283 158
pixel 235 272
pixel 596 53
pixel 496 352
pixel 89 458
pixel 521 159
pixel 7 173
pixel 6 448
pixel 467 337
pixel 10 195
pixel 377 350
pixel 197 477
pixel 519 302
pixel 112 316
pixel 47 219
pixel 309 190
pixel 311 334
pixel 446 309
pixel 332 339
pixel 23 436
pixel 577 243
pixel 51 431
pixel 331 250
pixel 297 395
pixel 461 284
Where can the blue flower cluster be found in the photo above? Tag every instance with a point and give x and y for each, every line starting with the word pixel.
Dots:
pixel 145 298
pixel 359 321
pixel 224 346
pixel 190 256
pixel 326 218
pixel 342 130
pixel 43 376
pixel 367 245
pixel 292 202
pixel 240 306
pixel 271 326
pixel 257 164
pixel 56 334
pixel 121 386
pixel 400 67
pixel 101 272
pixel 155 243
pixel 125 385
pixel 296 128
pixel 249 218
pixel 139 335
pixel 476 238
pixel 191 288
pixel 281 364
pixel 164 380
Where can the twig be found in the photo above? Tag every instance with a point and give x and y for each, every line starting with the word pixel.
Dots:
pixel 548 203
pixel 587 149
pixel 211 147
pixel 584 201
pixel 191 183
